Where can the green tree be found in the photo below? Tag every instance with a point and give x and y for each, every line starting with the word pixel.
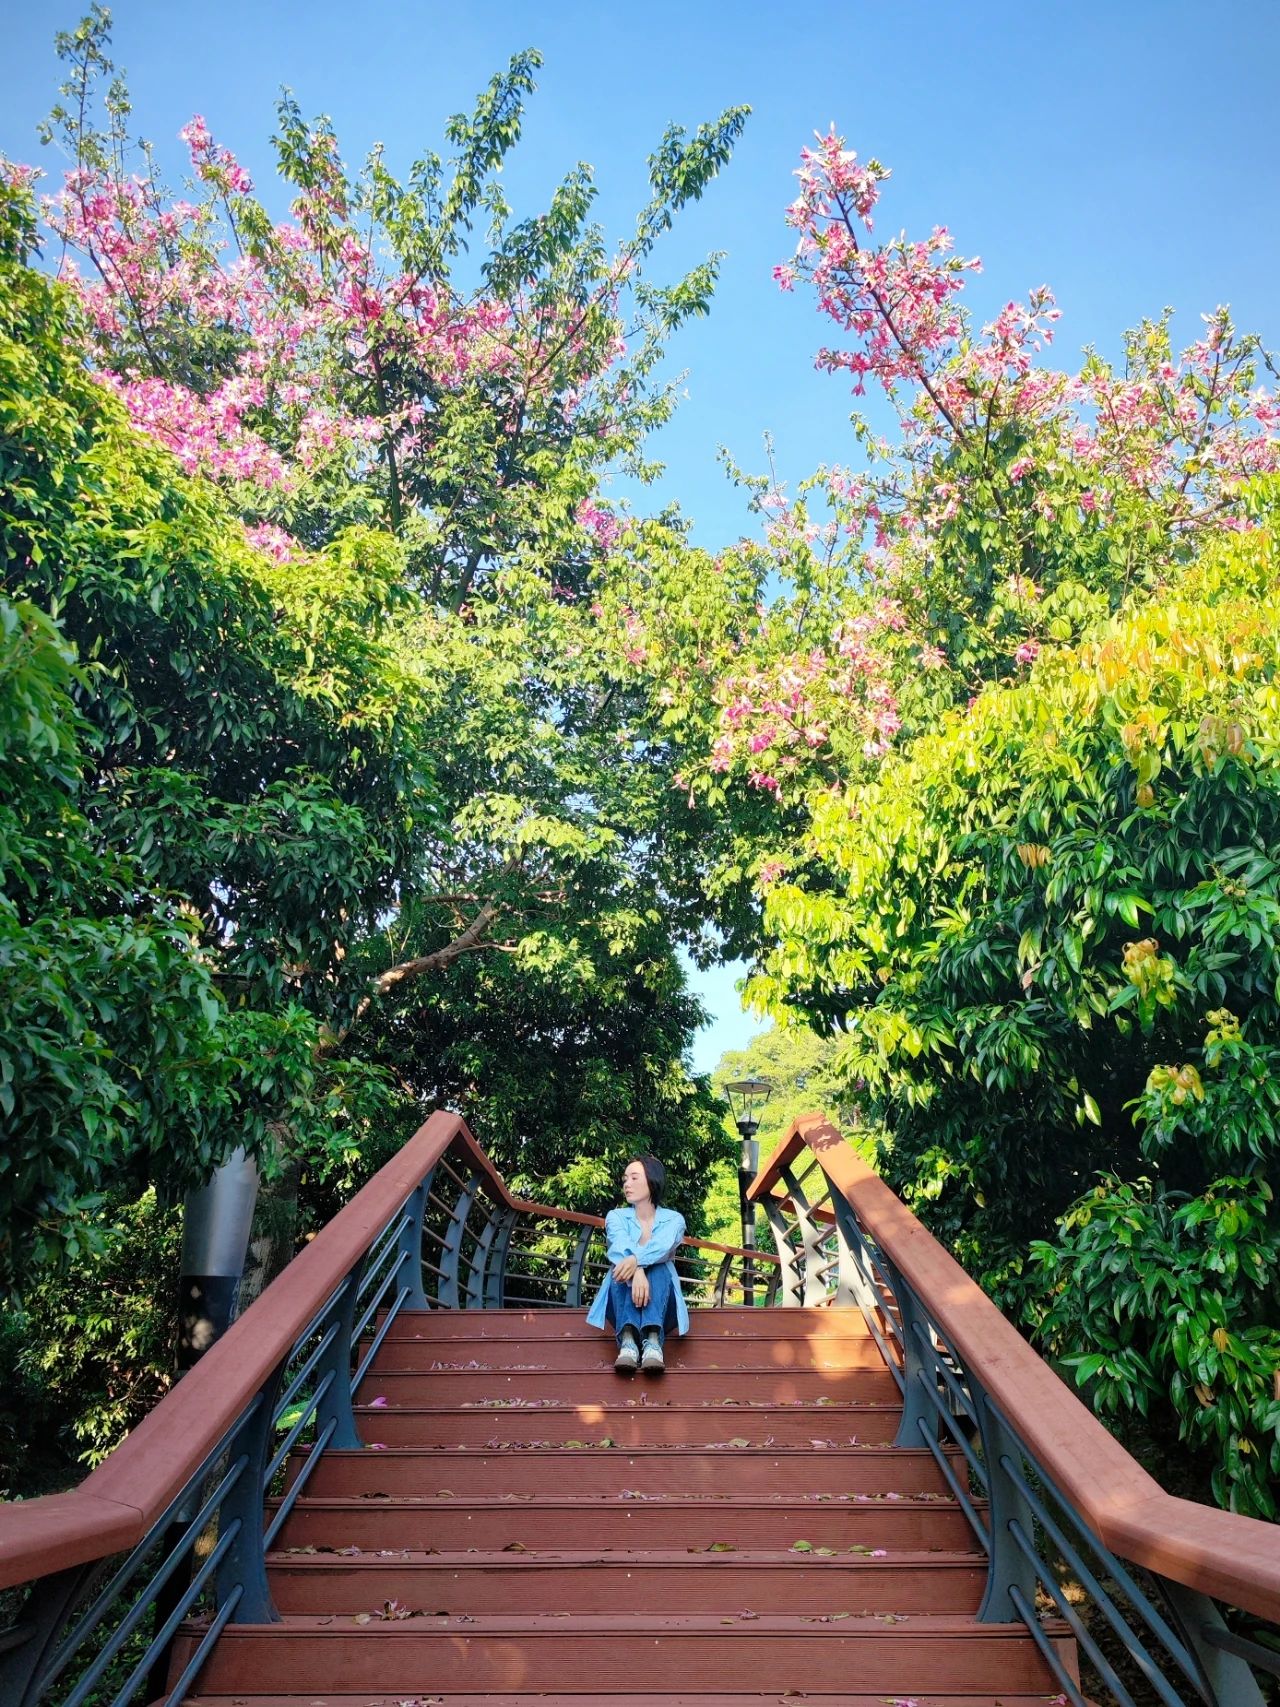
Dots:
pixel 567 1069
pixel 411 398
pixel 347 711
pixel 314 747
pixel 983 731
pixel 84 1356
pixel 1028 919
pixel 800 1065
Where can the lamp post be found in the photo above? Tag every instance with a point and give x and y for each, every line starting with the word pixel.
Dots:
pixel 746 1098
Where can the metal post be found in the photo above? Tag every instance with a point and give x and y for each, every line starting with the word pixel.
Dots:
pixel 451 1252
pixel 920 1421
pixel 854 1276
pixel 1229 1676
pixel 244 1565
pixel 1008 1568
pixel 477 1274
pixel 495 1280
pixel 811 1240
pixel 856 1285
pixel 217 1218
pixel 789 1257
pixel 748 1168
pixel 577 1267
pixel 334 1405
pixel 409 1246
pixel 25 1665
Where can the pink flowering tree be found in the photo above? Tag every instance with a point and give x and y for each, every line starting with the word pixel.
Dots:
pixel 360 360
pixel 404 369
pixel 1015 505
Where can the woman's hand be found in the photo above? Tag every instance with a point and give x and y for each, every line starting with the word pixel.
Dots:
pixel 625 1269
pixel 640 1289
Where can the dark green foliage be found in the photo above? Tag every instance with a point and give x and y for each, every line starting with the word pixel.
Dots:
pixel 87 1353
pixel 1170 1281
pixel 566 1071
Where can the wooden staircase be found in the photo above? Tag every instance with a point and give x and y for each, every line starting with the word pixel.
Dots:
pixel 499 1518
pixel 533 1527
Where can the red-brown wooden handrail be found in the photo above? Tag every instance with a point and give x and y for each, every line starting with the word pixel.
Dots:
pixel 119 1502
pixel 1222 1554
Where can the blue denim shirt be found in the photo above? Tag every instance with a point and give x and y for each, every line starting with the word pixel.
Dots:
pixel 622 1234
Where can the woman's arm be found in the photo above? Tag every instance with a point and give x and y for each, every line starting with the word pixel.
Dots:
pixel 663 1242
pixel 615 1239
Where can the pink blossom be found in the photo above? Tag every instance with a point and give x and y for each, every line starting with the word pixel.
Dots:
pixel 1179 430
pixel 1027 653
pixel 283 304
pixel 16 176
pixel 195 133
pixel 273 541
pixel 722 753
pixel 603 524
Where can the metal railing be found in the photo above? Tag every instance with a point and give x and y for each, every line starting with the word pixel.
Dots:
pixel 1158 1592
pixel 175 1528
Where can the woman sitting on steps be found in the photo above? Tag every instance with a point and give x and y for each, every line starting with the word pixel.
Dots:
pixel 640 1297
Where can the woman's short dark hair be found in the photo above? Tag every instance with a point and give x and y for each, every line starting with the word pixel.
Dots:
pixel 655 1174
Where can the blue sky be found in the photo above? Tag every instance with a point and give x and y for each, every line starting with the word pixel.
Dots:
pixel 1121 152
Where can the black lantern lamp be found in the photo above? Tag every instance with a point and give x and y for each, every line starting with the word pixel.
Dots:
pixel 746 1098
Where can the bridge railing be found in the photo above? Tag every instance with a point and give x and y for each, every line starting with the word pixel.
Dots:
pixel 176 1524
pixel 1170 1602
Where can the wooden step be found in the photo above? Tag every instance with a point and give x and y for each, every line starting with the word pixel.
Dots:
pixel 827 1472
pixel 644 1421
pixel 678 1386
pixel 542 1521
pixel 680 1698
pixel 590 1356
pixel 772 1324
pixel 555 1582
pixel 576 1653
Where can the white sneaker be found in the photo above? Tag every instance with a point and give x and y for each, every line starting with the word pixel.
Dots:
pixel 628 1354
pixel 652 1361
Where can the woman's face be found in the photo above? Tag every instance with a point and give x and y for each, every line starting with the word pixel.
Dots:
pixel 635 1187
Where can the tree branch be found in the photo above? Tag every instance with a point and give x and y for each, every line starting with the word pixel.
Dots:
pixel 886 313
pixel 465 942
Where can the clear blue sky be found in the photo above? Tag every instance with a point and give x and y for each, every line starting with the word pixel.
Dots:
pixel 1121 152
